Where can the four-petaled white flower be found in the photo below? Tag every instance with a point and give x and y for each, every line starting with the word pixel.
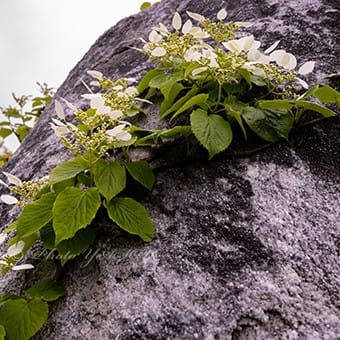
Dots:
pixel 284 59
pixel 244 44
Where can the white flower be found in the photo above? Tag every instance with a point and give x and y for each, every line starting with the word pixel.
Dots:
pixel 3 238
pixel 3 263
pixel 119 133
pixel 59 131
pixel 257 56
pixel 222 14
pixel 3 183
pixel 23 267
pixel 302 83
pixel 272 47
pixel 131 91
pixel 8 199
pixel 69 105
pixel 15 249
pixel 284 59
pixel 12 179
pixel 196 16
pixel 257 71
pixel 192 54
pixel 243 44
pixel 59 110
pixel 95 74
pixel 95 83
pixel 115 114
pixel 198 70
pixel 243 23
pixel 158 52
pixel 154 37
pixel 187 27
pixel 198 33
pixel 306 68
pixel 177 21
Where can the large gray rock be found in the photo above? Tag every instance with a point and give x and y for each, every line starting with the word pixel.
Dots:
pixel 246 247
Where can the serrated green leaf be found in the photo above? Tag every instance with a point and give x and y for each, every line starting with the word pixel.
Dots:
pixel 235 111
pixel 142 173
pixel 47 290
pixel 67 170
pixel 22 319
pixel 47 235
pixel 35 215
pixel 193 101
pixel 110 178
pixel 69 249
pixel 270 125
pixel 7 296
pixel 212 131
pixel 73 210
pixel 131 216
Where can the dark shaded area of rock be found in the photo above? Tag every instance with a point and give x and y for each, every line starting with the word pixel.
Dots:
pixel 246 247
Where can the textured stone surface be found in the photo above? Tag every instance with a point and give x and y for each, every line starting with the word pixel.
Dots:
pixel 246 247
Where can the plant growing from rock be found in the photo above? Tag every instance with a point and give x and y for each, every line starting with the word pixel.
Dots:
pixel 211 85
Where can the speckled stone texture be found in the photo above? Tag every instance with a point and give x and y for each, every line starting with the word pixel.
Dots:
pixel 246 247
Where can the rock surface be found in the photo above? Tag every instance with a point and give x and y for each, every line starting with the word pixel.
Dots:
pixel 246 247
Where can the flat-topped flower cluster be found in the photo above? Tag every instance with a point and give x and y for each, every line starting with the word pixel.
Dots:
pixel 211 47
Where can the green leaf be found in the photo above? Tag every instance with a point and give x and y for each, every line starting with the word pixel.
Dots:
pixel 67 170
pixel 142 173
pixel 47 290
pixel 195 100
pixel 276 104
pixel 131 216
pixel 7 296
pixel 324 111
pixel 5 132
pixel 145 5
pixel 2 332
pixel 144 83
pixel 47 235
pixel 73 210
pixel 327 94
pixel 110 178
pixel 270 125
pixel 22 131
pixel 235 110
pixel 69 249
pixel 175 131
pixel 35 215
pixel 180 102
pixel 22 319
pixel 212 131
pixel 170 92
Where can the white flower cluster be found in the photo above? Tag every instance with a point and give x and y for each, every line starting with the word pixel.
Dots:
pixel 207 56
pixel 111 111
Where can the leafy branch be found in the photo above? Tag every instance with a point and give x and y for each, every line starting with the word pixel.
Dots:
pixel 212 87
